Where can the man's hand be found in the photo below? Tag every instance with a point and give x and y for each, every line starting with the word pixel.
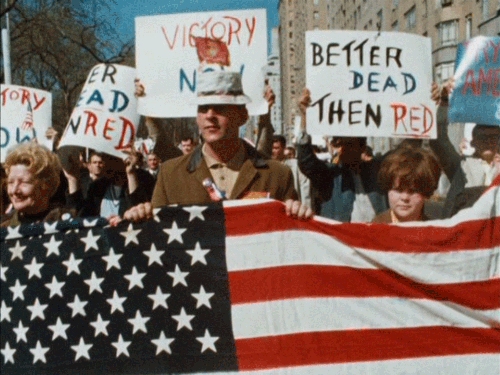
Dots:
pixel 141 212
pixel 132 161
pixel 269 96
pixel 304 101
pixel 440 94
pixel 298 210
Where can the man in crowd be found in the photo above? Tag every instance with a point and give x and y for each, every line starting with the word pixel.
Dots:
pixel 347 191
pixel 153 164
pixel 300 181
pixel 187 145
pixel 470 175
pixel 233 167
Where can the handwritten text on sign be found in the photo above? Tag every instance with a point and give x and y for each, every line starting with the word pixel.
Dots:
pixel 168 65
pixel 365 84
pixel 476 97
pixel 105 116
pixel 26 113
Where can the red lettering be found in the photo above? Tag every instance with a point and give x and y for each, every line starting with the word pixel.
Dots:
pixel 233 31
pixel 251 29
pixel 427 114
pixel 14 95
pixel 470 82
pixel 126 125
pixel 4 96
pixel 25 96
pixel 91 122
pixel 38 101
pixel 213 29
pixel 400 111
pixel 107 127
pixel 414 117
pixel 171 45
pixel 191 34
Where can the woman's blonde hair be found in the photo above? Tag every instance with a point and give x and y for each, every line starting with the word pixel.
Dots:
pixel 41 162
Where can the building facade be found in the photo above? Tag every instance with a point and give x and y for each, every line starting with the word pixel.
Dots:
pixel 446 22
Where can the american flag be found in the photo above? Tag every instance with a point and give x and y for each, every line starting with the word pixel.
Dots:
pixel 28 120
pixel 241 287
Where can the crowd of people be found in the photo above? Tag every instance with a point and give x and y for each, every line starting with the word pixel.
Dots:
pixel 346 183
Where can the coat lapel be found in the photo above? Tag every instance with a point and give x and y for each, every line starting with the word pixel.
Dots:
pixel 247 174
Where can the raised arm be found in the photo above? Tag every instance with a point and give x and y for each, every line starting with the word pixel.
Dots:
pixel 444 150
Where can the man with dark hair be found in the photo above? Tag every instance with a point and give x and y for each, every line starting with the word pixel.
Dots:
pixel 469 176
pixel 300 181
pixel 187 145
pixel 347 191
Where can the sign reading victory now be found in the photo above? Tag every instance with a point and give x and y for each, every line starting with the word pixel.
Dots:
pixel 476 97
pixel 26 113
pixel 369 84
pixel 167 62
pixel 105 117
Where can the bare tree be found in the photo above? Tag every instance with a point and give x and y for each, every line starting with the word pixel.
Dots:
pixel 54 44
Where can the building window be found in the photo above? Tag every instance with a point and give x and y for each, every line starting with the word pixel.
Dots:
pixel 468 26
pixel 395 4
pixel 411 18
pixel 448 33
pixel 395 26
pixel 444 71
pixel 316 15
pixel 485 7
pixel 316 2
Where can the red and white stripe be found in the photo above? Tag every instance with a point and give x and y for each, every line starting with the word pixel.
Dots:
pixel 321 297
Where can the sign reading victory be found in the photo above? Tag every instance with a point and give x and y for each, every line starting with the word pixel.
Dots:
pixel 168 61
pixel 476 97
pixel 26 113
pixel 105 117
pixel 369 84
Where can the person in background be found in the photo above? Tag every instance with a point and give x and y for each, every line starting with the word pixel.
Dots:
pixel 187 145
pixel 153 164
pixel 300 181
pixel 33 176
pixel 469 176
pixel 346 191
pixel 124 185
pixel 409 176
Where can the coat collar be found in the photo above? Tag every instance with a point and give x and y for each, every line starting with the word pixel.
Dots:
pixel 256 158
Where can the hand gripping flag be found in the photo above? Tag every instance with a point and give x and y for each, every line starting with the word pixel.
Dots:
pixel 240 287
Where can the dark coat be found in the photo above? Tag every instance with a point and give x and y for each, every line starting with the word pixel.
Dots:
pixel 334 184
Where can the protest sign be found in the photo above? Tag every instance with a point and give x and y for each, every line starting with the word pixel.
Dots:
pixel 369 84
pixel 26 114
pixel 476 97
pixel 105 117
pixel 168 64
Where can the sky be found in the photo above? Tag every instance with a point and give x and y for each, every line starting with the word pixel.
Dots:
pixel 124 11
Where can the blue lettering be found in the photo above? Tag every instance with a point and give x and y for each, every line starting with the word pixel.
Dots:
pixel 116 100
pixel 390 83
pixel 372 81
pixel 96 97
pixel 357 80
pixel 25 138
pixel 410 83
pixel 184 77
pixel 5 136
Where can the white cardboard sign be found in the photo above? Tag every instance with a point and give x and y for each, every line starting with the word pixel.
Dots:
pixel 369 84
pixel 105 117
pixel 167 61
pixel 26 114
